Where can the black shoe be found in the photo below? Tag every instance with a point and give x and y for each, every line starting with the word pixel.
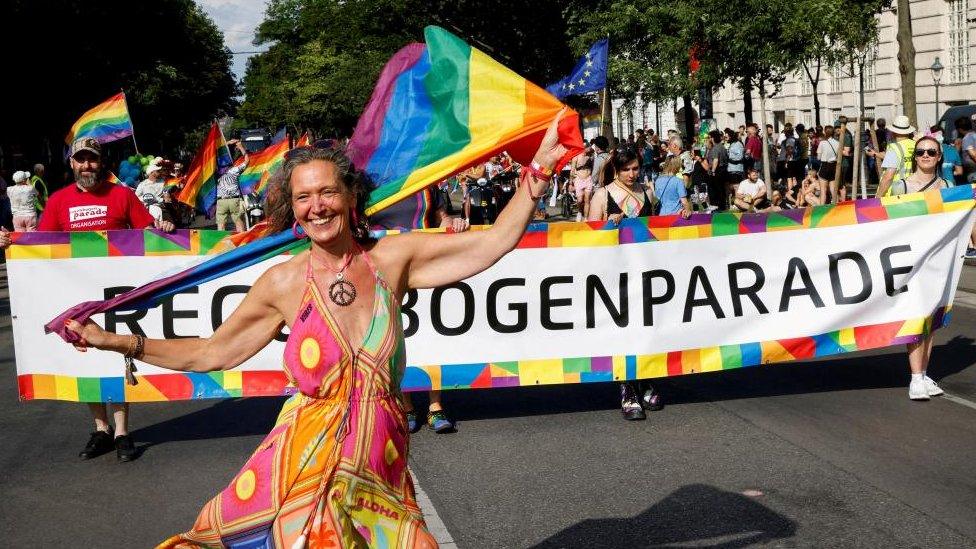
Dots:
pixel 651 399
pixel 125 450
pixel 99 443
pixel 629 405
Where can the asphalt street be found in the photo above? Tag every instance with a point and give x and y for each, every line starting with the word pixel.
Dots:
pixel 827 453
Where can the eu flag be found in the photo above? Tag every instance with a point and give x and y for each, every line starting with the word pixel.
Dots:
pixel 589 75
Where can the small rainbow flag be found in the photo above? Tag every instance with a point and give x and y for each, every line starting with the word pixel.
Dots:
pixel 442 106
pixel 200 189
pixel 113 179
pixel 107 121
pixel 260 165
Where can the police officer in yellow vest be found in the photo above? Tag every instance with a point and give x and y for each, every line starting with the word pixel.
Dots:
pixel 897 158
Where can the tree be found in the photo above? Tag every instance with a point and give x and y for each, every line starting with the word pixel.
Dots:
pixel 326 55
pixel 906 60
pixel 846 28
pixel 176 74
pixel 656 40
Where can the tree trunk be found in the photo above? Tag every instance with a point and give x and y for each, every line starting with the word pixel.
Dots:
pixel 767 174
pixel 689 120
pixel 747 100
pixel 606 127
pixel 906 60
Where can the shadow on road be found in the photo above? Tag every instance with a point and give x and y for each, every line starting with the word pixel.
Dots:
pixel 696 514
pixel 866 371
pixel 226 418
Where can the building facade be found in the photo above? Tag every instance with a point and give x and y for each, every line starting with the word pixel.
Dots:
pixel 942 28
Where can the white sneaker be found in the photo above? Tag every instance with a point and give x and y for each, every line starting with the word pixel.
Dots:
pixel 931 387
pixel 917 390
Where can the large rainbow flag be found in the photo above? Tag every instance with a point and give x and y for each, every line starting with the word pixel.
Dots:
pixel 437 109
pixel 443 106
pixel 107 121
pixel 260 166
pixel 200 189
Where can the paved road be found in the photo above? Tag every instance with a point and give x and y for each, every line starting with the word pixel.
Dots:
pixel 826 454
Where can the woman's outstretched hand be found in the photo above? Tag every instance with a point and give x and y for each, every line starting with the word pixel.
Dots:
pixel 551 150
pixel 89 334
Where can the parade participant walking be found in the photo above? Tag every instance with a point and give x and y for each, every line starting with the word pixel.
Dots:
pixel 229 193
pixel 333 471
pixel 626 197
pixel 897 159
pixel 23 198
pixel 926 164
pixel 423 210
pixel 93 203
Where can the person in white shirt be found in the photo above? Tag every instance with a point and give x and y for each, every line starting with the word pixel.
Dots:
pixel 751 193
pixel 23 196
pixel 153 184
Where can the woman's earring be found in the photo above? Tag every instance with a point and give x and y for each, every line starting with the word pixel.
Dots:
pixel 295 228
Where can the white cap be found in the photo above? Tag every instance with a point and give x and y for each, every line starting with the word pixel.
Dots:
pixel 20 177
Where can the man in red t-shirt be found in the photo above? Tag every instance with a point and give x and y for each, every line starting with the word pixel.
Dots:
pixel 93 203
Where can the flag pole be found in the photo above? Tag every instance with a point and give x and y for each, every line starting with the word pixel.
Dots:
pixel 133 126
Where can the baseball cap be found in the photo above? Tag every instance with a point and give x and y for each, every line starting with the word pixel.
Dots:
pixel 89 144
pixel 20 177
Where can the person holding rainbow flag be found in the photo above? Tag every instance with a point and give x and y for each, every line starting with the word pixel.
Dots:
pixel 336 460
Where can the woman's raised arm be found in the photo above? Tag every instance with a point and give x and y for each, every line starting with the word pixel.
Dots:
pixel 437 259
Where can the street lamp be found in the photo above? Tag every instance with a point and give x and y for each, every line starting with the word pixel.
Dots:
pixel 936 76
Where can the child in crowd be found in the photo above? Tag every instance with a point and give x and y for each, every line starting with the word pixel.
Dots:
pixel 811 189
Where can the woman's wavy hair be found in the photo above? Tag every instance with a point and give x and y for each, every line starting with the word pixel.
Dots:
pixel 278 204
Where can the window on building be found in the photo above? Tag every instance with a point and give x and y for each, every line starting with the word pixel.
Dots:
pixel 870 69
pixel 836 79
pixel 957 69
pixel 806 117
pixel 806 88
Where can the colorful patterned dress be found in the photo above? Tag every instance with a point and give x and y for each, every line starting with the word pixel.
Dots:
pixel 333 471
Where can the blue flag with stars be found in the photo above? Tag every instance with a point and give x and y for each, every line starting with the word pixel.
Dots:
pixel 589 75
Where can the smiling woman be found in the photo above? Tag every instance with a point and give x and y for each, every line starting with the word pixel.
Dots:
pixel 333 470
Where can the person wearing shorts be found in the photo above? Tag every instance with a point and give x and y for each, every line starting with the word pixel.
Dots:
pixel 229 194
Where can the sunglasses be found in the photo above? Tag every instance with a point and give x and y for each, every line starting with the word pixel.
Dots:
pixel 919 153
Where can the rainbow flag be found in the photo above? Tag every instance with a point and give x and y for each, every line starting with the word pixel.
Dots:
pixel 443 106
pixel 260 165
pixel 200 189
pixel 107 121
pixel 112 178
pixel 421 125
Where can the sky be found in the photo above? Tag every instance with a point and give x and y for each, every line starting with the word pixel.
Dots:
pixel 237 19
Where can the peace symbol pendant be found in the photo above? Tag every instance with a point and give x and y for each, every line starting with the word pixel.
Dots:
pixel 342 292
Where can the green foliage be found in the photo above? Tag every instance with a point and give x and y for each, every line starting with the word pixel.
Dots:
pixel 326 55
pixel 167 55
pixel 652 41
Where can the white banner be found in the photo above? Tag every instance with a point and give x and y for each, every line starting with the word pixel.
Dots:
pixel 550 315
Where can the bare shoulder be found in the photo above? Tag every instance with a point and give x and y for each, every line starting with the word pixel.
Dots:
pixel 284 278
pixel 392 254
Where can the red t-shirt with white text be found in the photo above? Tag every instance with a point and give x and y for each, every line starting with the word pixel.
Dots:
pixel 106 207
